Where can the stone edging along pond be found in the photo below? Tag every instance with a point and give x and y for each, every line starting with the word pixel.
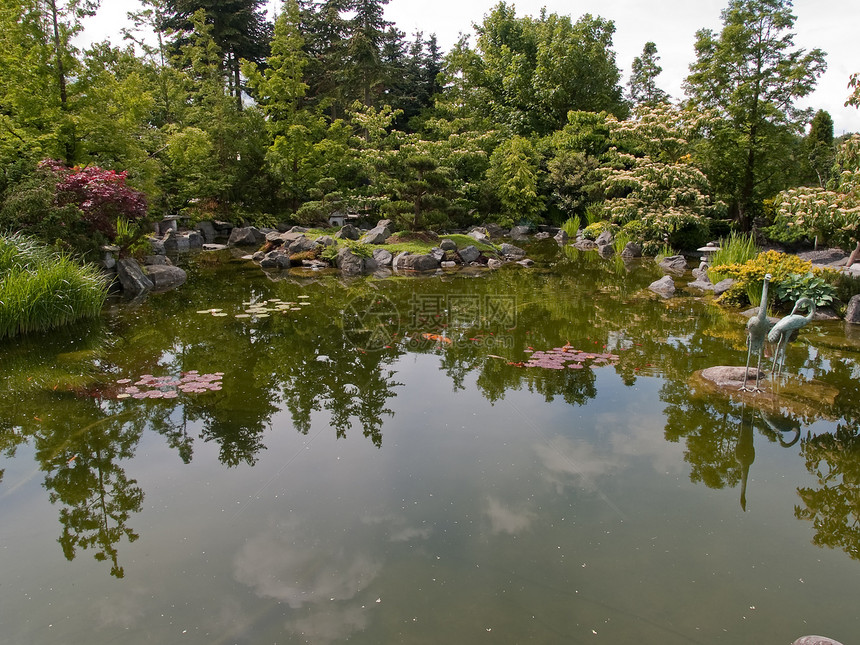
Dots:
pixel 381 253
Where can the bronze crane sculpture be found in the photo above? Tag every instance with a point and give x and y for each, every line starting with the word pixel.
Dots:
pixel 757 329
pixel 786 330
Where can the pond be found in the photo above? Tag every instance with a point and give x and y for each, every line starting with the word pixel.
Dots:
pixel 503 457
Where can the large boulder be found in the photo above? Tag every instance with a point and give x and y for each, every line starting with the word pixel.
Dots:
pixel 852 314
pixel 207 230
pixel 519 233
pixel 664 287
pixel 448 245
pixel 275 260
pixel 676 264
pixel 585 245
pixel 132 278
pixel 246 236
pixel 376 235
pixel 411 262
pixel 383 257
pixel 604 238
pixel 174 242
pixel 165 277
pixel 347 232
pixel 606 250
pixel 302 245
pixel 326 240
pixel 723 285
pixel 479 234
pixel 385 223
pixel 494 230
pixel 469 254
pixel 561 237
pixel 631 250
pixel 349 263
pixel 730 376
pixel 512 252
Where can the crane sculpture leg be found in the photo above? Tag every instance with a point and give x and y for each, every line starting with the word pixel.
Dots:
pixel 786 330
pixel 757 329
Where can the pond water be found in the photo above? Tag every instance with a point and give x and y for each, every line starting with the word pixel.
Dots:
pixel 374 461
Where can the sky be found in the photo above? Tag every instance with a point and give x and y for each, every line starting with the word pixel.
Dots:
pixel 671 24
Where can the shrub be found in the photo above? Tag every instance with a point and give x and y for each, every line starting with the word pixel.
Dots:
pixel 796 286
pixel 41 289
pixel 593 231
pixel 750 275
pixel 738 248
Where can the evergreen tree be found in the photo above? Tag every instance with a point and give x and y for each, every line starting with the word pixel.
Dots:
pixel 820 148
pixel 643 74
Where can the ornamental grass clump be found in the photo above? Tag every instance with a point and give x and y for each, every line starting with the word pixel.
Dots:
pixel 749 275
pixel 735 249
pixel 41 289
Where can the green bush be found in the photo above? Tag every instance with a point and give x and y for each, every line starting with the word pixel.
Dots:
pixel 796 286
pixel 41 289
pixel 593 231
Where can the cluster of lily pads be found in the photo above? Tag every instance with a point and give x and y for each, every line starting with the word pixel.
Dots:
pixel 262 309
pixel 560 358
pixel 169 387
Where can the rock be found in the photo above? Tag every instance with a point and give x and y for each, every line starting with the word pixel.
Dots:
pixel 165 277
pixel 852 313
pixel 347 232
pixel 469 254
pixel 664 287
pixel 561 237
pixel 207 230
pixel 258 256
pixel 274 238
pixel 437 253
pixel 223 228
pixel 606 250
pixel 631 250
pixel 174 242
pixel 604 238
pixel 585 245
pixel 376 235
pixel 815 640
pixel 275 260
pixel 302 245
pixel 157 260
pixel 723 285
pixel 825 256
pixel 298 229
pixel 494 263
pixel 703 285
pixel 349 263
pixel 676 264
pixel 479 234
pixel 214 247
pixel 526 262
pixel 326 240
pixel 513 252
pixel 449 264
pixel 385 223
pixel 132 278
pixel 383 257
pixel 246 236
pixel 494 230
pixel 415 262
pixel 519 233
pixel 701 275
pixel 157 246
pixel 448 245
pixel 543 235
pixel 825 313
pixel 731 377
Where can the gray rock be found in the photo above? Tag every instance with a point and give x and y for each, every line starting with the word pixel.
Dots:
pixel 450 264
pixel 815 640
pixel 195 240
pixel 437 253
pixel 511 251
pixel 165 277
pixel 723 285
pixel 347 232
pixel 157 246
pixel 258 256
pixel 448 245
pixel 604 238
pixel 385 223
pixel 275 260
pixel 519 233
pixel 701 275
pixel 730 376
pixel 852 313
pixel 676 264
pixel 606 250
pixel 132 278
pixel 526 262
pixel 585 245
pixel 631 250
pixel 383 257
pixel 543 235
pixel 494 230
pixel 326 240
pixel 298 229
pixel 275 238
pixel 174 242
pixel 349 263
pixel 415 262
pixel 561 237
pixel 246 236
pixel 207 230
pixel 664 287
pixel 494 263
pixel 479 234
pixel 303 245
pixel 376 235
pixel 825 256
pixel 214 247
pixel 469 254
pixel 703 285
pixel 157 260
pixel 223 228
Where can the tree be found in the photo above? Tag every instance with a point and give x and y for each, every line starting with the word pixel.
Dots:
pixel 367 31
pixel 515 175
pixel 749 75
pixel 643 74
pixel 819 147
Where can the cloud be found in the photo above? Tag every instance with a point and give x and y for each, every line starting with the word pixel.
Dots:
pixel 506 519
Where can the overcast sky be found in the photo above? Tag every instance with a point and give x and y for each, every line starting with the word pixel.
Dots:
pixel 671 24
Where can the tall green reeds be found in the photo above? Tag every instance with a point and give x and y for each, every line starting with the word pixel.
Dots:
pixel 41 289
pixel 735 249
pixel 571 226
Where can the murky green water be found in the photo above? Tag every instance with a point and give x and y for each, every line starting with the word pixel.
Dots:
pixel 380 472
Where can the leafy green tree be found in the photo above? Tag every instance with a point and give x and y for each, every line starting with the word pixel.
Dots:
pixel 515 175
pixel 367 30
pixel 820 147
pixel 527 73
pixel 420 189
pixel 643 78
pixel 749 75
pixel 324 30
